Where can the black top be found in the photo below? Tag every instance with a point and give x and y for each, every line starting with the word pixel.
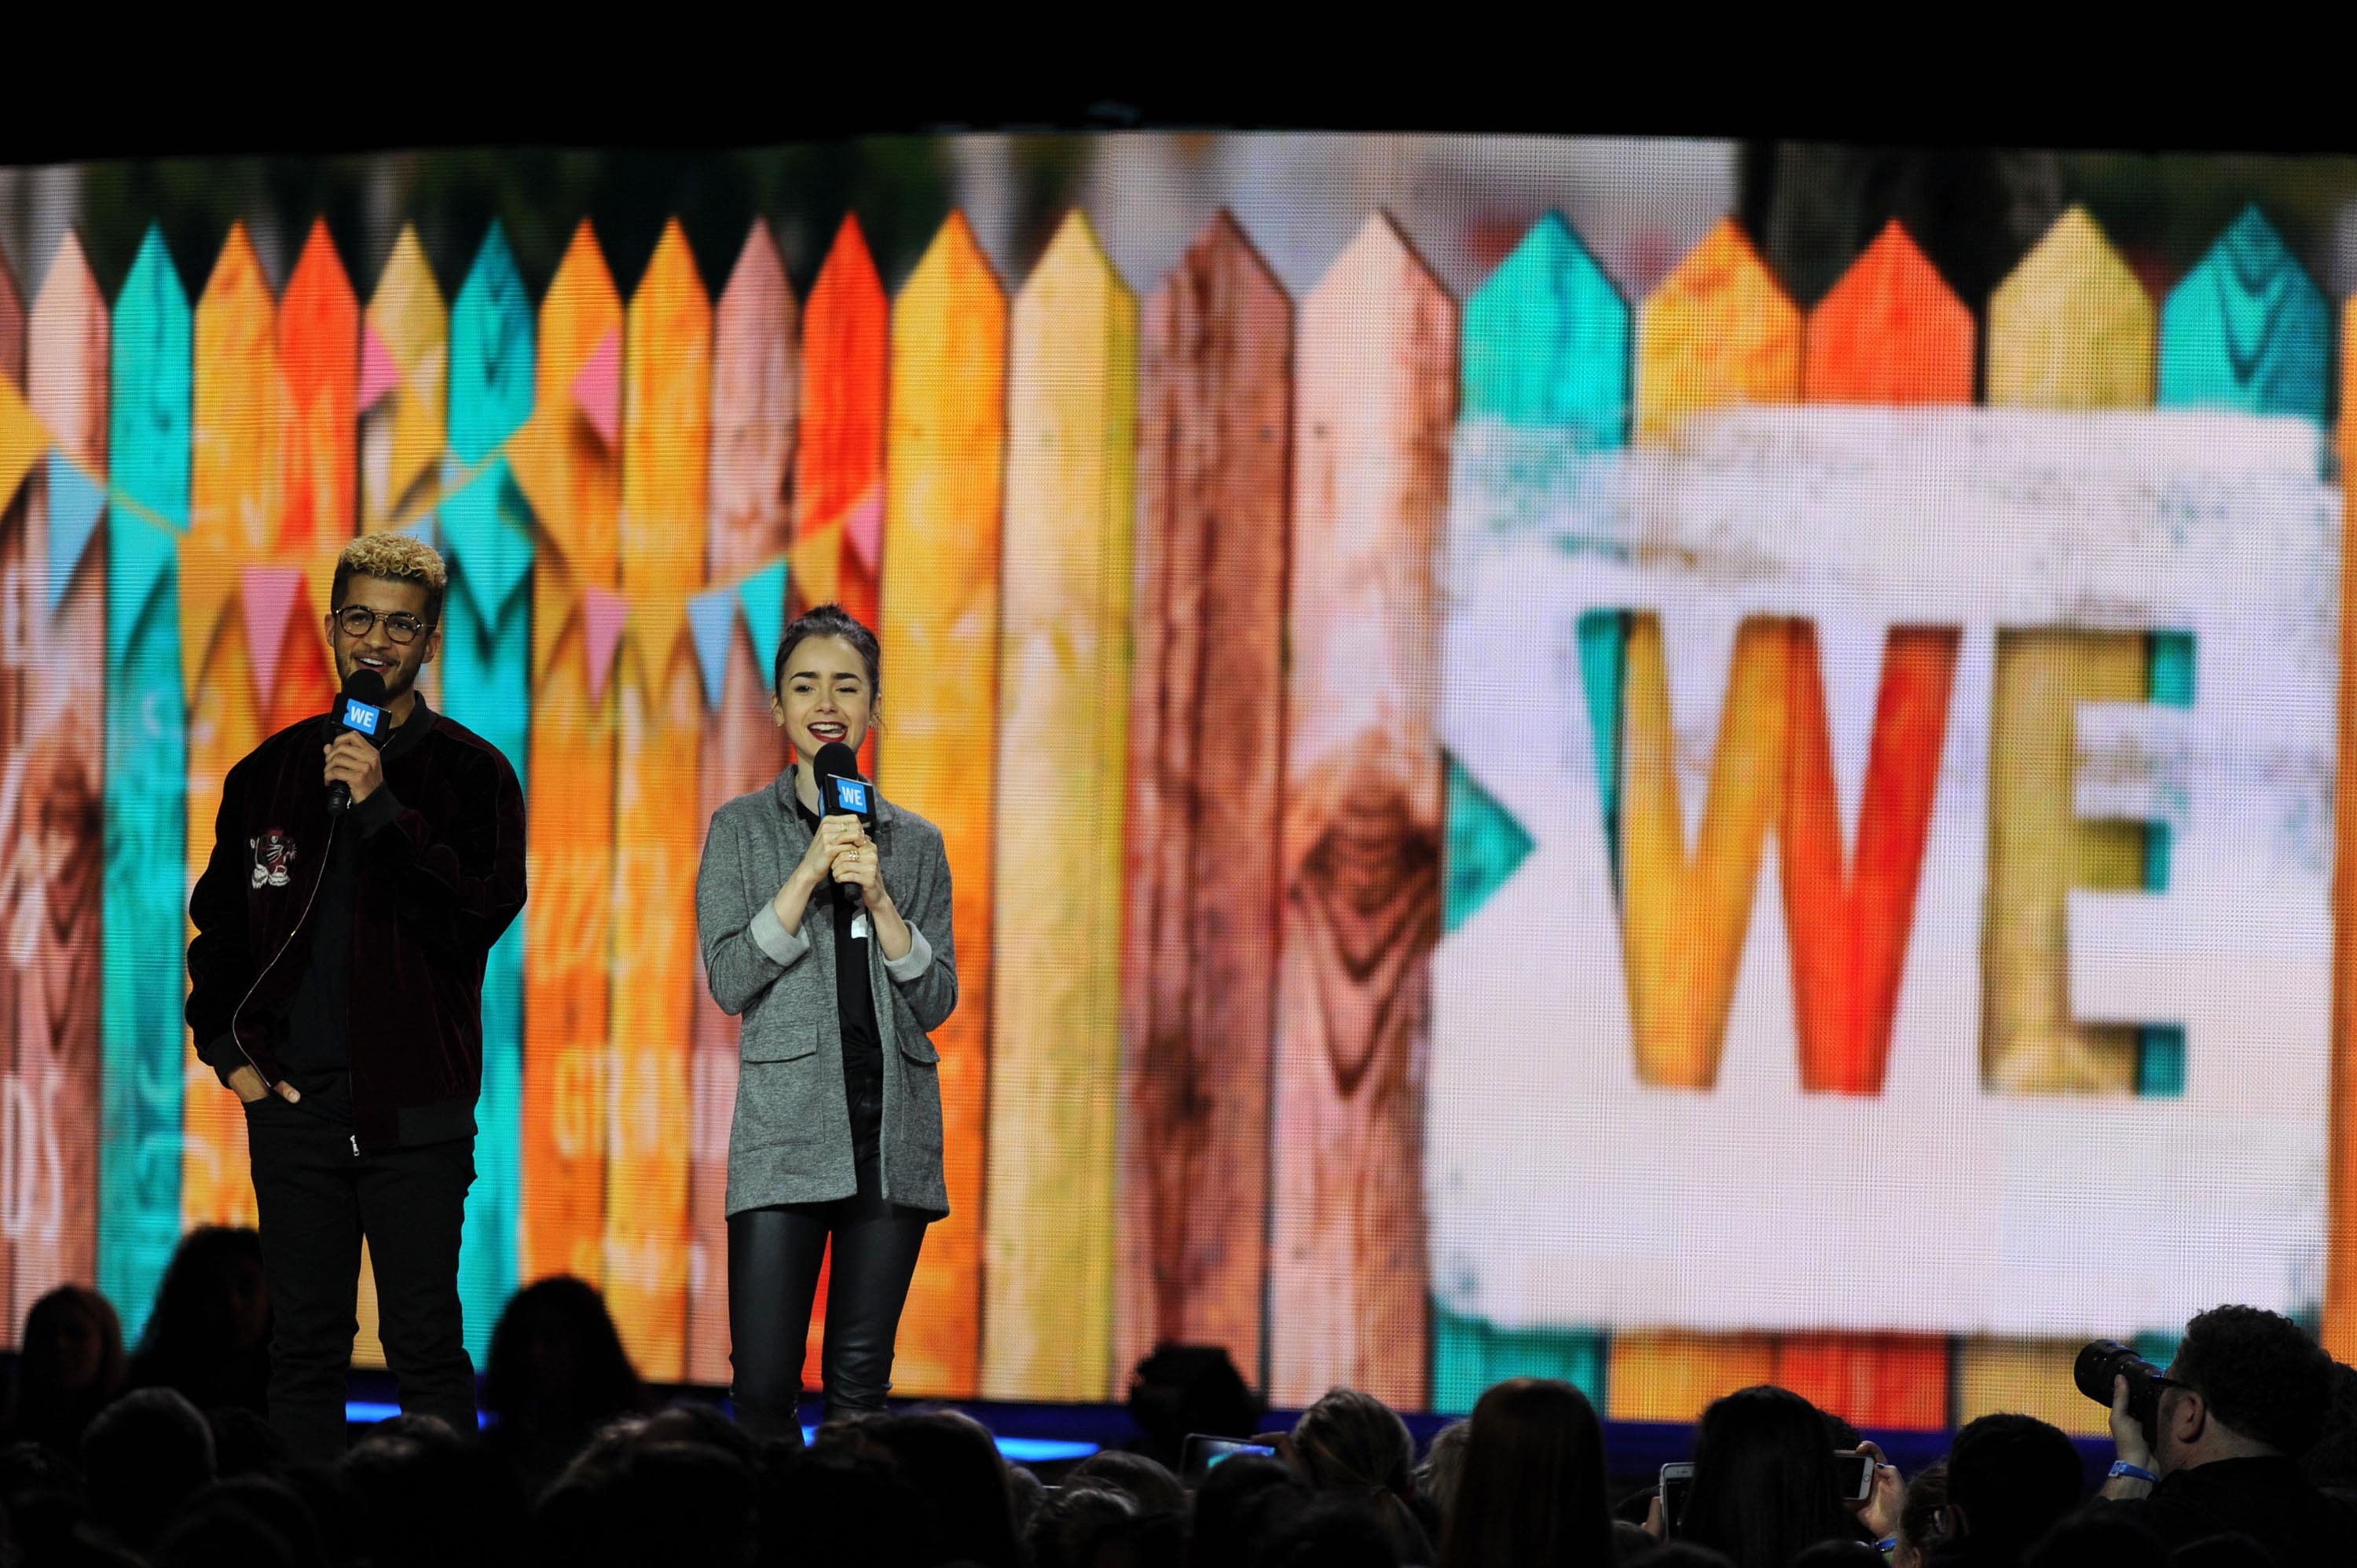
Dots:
pixel 317 1058
pixel 855 1005
pixel 2267 1500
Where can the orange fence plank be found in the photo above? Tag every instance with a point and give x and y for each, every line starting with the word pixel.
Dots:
pixel 233 510
pixel 754 384
pixel 319 355
pixel 573 480
pixel 666 448
pixel 1720 330
pixel 839 467
pixel 1672 1375
pixel 1889 332
pixel 1198 973
pixel 1361 841
pixel 938 754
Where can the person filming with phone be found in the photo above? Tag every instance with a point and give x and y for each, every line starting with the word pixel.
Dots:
pixel 2212 1446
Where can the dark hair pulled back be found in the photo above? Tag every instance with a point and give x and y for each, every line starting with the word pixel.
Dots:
pixel 831 620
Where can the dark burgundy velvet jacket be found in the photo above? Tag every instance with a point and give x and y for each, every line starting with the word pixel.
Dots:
pixel 441 873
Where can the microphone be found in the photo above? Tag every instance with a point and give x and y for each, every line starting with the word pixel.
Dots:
pixel 842 792
pixel 361 710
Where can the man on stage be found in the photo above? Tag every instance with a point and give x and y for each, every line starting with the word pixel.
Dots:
pixel 355 887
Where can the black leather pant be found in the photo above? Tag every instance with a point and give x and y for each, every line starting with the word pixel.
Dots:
pixel 773 1261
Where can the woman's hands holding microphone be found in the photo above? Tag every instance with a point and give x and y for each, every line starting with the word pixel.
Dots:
pixel 837 838
pixel 841 852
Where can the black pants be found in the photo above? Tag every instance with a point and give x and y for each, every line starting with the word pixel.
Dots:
pixel 317 1200
pixel 774 1258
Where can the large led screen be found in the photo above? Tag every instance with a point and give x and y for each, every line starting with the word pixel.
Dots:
pixel 1553 760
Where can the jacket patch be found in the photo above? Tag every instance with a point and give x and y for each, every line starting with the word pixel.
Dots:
pixel 273 857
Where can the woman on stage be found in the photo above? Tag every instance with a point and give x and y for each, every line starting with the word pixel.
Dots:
pixel 835 945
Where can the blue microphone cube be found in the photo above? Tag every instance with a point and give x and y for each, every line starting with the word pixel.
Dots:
pixel 851 795
pixel 365 717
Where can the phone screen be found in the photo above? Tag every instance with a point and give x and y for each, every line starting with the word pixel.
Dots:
pixel 1855 1471
pixel 1204 1451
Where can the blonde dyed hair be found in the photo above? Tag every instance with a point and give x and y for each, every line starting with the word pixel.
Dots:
pixel 393 558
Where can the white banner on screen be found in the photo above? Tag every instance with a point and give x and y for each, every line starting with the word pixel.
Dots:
pixel 1564 1194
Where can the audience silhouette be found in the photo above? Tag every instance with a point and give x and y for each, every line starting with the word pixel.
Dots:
pixel 576 1469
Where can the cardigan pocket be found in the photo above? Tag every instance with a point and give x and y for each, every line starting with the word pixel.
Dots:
pixel 915 1046
pixel 790 1043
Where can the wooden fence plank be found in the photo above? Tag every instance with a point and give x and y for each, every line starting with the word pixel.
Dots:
pixel 574 483
pixel 2071 328
pixel 2340 1326
pixel 19 583
pixel 146 780
pixel 233 510
pixel 1063 730
pixel 2246 329
pixel 55 783
pixel 1718 330
pixel 1206 768
pixel 1546 347
pixel 2030 1376
pixel 403 429
pixel 486 529
pixel 1376 400
pixel 1888 332
pixel 755 376
pixel 838 473
pixel 318 356
pixel 404 403
pixel 1670 1374
pixel 1870 1380
pixel 401 438
pixel 666 448
pixel 839 459
pixel 940 607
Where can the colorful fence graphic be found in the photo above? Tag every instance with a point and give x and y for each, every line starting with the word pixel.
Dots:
pixel 1317 695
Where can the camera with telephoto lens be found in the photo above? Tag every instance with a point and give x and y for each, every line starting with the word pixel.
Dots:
pixel 2104 1359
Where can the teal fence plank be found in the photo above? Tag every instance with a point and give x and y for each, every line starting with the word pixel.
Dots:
pixel 1546 348
pixel 2247 329
pixel 147 787
pixel 1469 1356
pixel 1547 342
pixel 486 685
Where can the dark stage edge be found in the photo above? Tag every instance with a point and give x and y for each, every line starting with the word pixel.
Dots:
pixel 1050 1437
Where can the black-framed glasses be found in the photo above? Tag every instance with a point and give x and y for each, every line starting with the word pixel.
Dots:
pixel 357 621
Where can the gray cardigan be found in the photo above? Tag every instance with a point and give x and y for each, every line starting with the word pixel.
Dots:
pixel 791 1139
